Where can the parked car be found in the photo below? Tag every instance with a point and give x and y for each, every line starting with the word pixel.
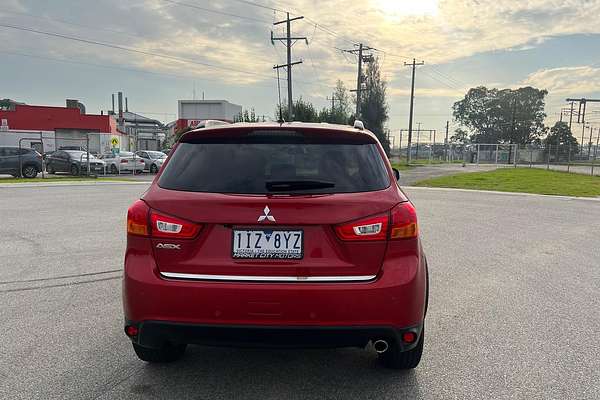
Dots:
pixel 29 160
pixel 276 235
pixel 123 161
pixel 74 162
pixel 153 160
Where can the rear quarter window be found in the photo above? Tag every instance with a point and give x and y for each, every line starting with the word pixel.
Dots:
pixel 249 165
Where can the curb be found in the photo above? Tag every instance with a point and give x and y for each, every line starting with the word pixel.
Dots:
pixel 72 183
pixel 551 196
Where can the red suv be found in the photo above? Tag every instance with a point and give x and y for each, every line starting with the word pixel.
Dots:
pixel 275 235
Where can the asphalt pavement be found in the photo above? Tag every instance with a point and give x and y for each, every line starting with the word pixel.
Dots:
pixel 515 294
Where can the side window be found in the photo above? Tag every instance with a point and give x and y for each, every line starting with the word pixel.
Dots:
pixel 9 151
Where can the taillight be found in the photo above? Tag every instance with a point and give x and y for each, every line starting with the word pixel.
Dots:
pixel 371 228
pixel 143 221
pixel 137 219
pixel 403 222
pixel 171 227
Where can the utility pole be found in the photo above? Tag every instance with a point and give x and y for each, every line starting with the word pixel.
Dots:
pixel 571 115
pixel 287 40
pixel 581 114
pixel 412 99
pixel 418 137
pixel 362 58
pixel 418 132
pixel 446 141
pixel 590 142
pixel 333 99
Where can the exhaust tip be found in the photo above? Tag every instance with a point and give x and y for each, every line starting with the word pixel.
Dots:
pixel 381 346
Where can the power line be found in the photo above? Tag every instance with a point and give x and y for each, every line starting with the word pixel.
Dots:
pixel 251 3
pixel 96 65
pixel 451 86
pixel 68 22
pixel 216 11
pixel 133 50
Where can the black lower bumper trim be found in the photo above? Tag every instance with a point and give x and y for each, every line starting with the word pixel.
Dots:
pixel 157 333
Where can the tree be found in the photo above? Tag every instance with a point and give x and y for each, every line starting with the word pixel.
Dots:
pixel 304 111
pixel 502 116
pixel 373 106
pixel 245 116
pixel 560 135
pixel 460 136
pixel 341 112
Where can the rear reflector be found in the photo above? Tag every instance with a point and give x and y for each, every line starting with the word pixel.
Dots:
pixel 124 161
pixel 131 330
pixel 409 337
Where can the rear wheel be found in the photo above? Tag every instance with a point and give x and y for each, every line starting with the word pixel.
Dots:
pixel 50 169
pixel 164 354
pixel 153 168
pixel 114 170
pixel 396 359
pixel 74 170
pixel 30 171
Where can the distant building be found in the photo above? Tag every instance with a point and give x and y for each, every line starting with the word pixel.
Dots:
pixel 143 133
pixel 192 112
pixel 56 127
pixel 147 132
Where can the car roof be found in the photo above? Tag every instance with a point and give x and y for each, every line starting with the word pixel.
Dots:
pixel 318 128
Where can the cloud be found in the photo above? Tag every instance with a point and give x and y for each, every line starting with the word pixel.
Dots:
pixel 568 80
pixel 454 30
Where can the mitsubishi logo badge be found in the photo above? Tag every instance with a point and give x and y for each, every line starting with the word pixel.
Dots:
pixel 266 215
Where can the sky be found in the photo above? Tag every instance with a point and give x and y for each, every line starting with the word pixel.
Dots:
pixel 161 51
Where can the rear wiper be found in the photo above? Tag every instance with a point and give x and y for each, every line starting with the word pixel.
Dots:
pixel 285 186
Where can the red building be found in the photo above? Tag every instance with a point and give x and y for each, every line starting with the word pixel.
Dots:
pixel 59 127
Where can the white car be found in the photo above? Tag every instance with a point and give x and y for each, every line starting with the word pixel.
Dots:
pixel 124 161
pixel 153 159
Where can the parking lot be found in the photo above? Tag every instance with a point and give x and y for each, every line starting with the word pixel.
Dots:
pixel 515 293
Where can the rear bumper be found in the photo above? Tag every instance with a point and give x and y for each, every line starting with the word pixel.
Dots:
pixel 198 311
pixel 156 333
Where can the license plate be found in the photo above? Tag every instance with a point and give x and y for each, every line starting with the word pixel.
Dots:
pixel 268 244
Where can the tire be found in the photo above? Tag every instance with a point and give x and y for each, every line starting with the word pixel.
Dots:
pixel 29 171
pixel 74 170
pixel 50 170
pixel 165 354
pixel 153 169
pixel 396 359
pixel 114 170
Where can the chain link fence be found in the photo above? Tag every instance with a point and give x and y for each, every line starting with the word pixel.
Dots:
pixel 567 158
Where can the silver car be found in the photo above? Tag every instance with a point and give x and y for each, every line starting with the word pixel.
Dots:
pixel 153 159
pixel 124 161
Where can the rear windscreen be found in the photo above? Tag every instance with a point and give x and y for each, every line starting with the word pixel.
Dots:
pixel 275 166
